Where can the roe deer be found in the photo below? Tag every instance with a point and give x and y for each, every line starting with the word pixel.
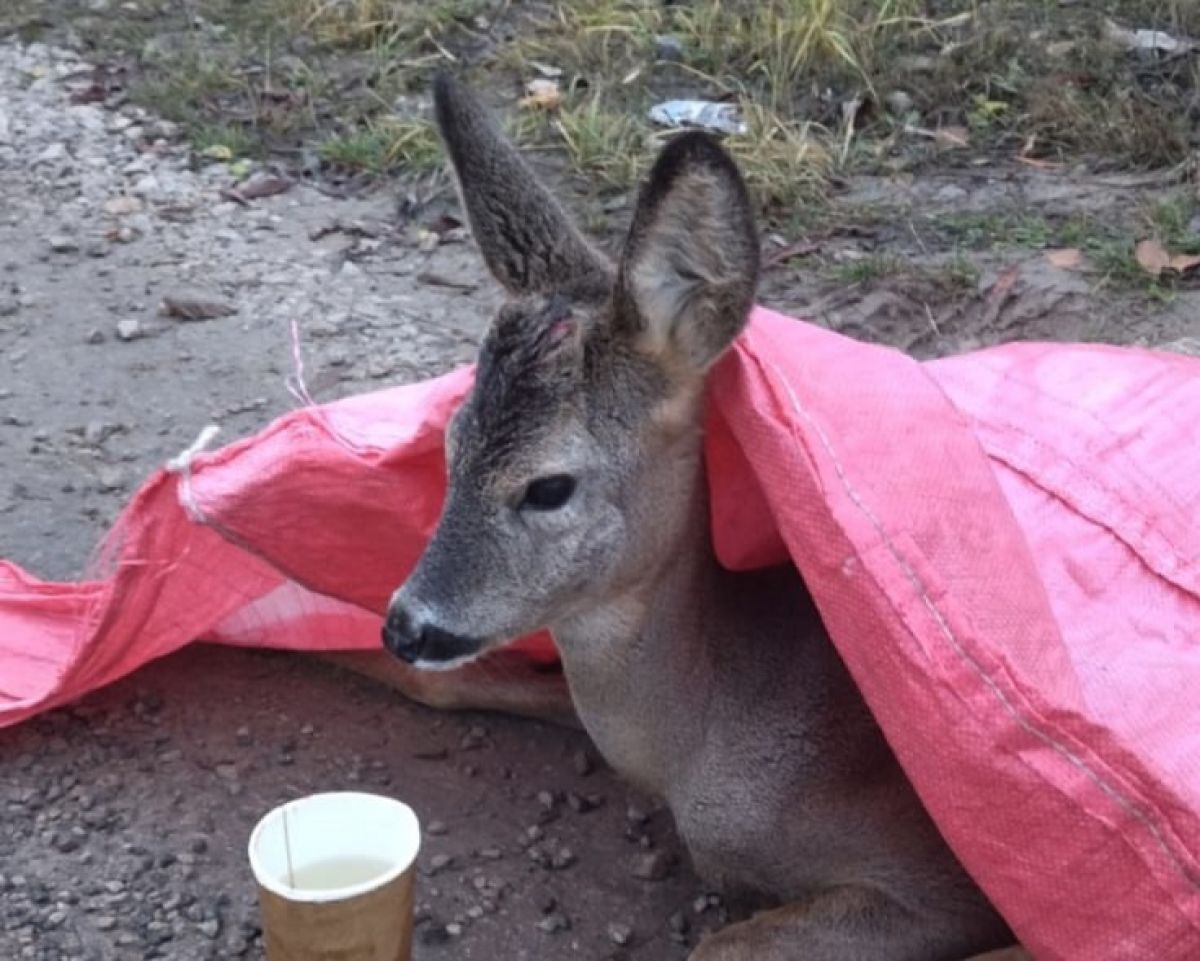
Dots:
pixel 577 500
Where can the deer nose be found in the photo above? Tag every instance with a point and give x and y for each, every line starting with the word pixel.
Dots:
pixel 412 638
pixel 403 635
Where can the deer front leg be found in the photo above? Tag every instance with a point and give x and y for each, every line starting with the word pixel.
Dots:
pixel 504 681
pixel 844 924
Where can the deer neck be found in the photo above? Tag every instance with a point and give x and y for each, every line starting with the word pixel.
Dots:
pixel 639 663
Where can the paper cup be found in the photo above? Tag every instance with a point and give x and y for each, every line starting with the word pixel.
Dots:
pixel 335 878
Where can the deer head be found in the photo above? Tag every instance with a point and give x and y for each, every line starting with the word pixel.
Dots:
pixel 575 457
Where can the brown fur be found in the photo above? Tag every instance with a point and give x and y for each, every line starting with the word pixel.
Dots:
pixel 720 691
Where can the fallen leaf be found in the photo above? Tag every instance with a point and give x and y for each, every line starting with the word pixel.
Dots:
pixel 801 248
pixel 546 70
pixel 1060 48
pixel 998 296
pixel 1038 164
pixel 92 93
pixel 192 307
pixel 265 186
pixel 217 151
pixel 229 193
pixel 1067 258
pixel 952 138
pixel 1152 257
pixel 441 280
pixel 352 228
pixel 543 94
pixel 1182 263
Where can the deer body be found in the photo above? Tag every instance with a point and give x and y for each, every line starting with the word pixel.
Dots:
pixel 578 501
pixel 744 719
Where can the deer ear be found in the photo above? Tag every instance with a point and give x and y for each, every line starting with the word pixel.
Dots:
pixel 527 241
pixel 689 272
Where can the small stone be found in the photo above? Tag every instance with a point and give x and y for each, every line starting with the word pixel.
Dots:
pixel 582 762
pixel 123 205
pixel 210 928
pixel 491 854
pixel 436 828
pixel 62 244
pixel 581 804
pixel 434 934
pixel 227 772
pixel 635 815
pixel 52 153
pixel 677 923
pixel 950 194
pixel 668 47
pixel 110 478
pixel 554 922
pixel 454 929
pixel 899 102
pixel 94 432
pixel 620 934
pixel 653 866
pixel 439 862
pixel 66 844
pixel 94 336
pixel 105 922
pixel 562 859
pixel 242 736
pixel 129 329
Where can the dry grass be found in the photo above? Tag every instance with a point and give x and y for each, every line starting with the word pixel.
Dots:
pixel 609 147
pixel 387 145
pixel 1025 77
pixel 780 45
pixel 364 23
pixel 786 163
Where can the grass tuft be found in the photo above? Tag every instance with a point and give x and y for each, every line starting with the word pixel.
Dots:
pixel 365 23
pixel 608 146
pixel 385 146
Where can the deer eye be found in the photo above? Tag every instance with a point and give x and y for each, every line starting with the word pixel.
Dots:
pixel 548 493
